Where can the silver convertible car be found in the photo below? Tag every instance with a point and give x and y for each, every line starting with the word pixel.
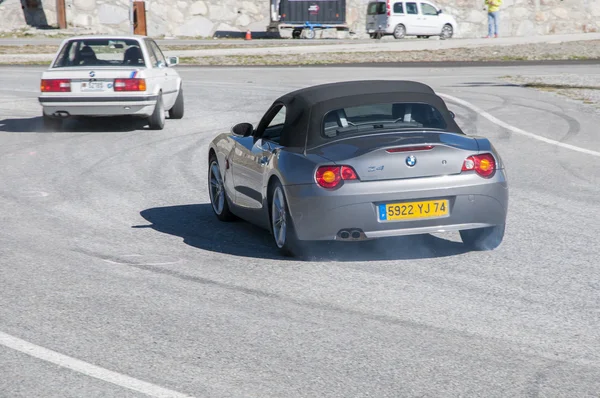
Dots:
pixel 359 160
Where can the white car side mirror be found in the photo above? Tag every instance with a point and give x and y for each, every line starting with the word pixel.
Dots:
pixel 173 61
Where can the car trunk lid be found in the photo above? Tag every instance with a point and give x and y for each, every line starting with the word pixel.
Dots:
pixel 92 80
pixel 401 155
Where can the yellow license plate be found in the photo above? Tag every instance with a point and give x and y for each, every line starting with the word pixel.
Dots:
pixel 413 210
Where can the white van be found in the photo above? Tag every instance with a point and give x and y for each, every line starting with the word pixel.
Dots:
pixel 408 18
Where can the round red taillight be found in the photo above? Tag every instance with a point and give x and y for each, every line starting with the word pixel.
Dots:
pixel 332 176
pixel 483 164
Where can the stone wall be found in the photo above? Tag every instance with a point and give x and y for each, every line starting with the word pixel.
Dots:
pixel 205 18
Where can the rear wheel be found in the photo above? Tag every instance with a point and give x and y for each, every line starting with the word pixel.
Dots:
pixel 282 226
pixel 399 31
pixel 216 189
pixel 176 112
pixel 157 119
pixel 487 238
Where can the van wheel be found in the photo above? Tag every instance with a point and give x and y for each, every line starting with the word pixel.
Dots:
pixel 399 31
pixel 447 32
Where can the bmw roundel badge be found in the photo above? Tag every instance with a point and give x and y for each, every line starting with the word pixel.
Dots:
pixel 411 161
pixel 92 74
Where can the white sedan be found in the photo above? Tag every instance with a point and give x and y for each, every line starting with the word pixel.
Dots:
pixel 111 76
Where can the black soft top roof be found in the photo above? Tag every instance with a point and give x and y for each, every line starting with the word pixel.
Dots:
pixel 340 90
pixel 306 107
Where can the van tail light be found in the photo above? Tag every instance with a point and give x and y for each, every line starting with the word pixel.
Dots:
pixel 55 85
pixel 130 85
pixel 332 176
pixel 483 164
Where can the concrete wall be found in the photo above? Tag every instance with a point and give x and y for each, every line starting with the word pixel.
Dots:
pixel 204 18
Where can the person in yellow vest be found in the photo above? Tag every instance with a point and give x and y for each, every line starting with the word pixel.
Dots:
pixel 493 7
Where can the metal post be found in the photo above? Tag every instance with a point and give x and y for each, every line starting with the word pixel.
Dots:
pixel 131 17
pixel 61 14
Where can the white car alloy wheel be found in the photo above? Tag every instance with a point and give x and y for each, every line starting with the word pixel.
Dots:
pixel 447 32
pixel 279 217
pixel 216 188
pixel 399 31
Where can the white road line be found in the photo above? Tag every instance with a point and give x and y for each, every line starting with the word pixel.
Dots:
pixel 516 129
pixel 87 368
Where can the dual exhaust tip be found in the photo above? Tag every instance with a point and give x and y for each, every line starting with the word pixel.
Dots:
pixel 354 234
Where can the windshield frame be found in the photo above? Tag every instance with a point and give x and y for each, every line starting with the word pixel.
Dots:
pixel 379 122
pixel 77 43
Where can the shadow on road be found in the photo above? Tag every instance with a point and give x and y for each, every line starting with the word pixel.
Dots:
pixel 199 227
pixel 74 125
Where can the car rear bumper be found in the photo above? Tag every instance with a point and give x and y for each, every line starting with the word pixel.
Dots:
pixel 474 202
pixel 99 106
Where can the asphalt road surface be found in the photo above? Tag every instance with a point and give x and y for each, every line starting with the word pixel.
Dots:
pixel 117 280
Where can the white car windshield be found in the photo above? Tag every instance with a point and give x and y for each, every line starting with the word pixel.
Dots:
pixel 100 52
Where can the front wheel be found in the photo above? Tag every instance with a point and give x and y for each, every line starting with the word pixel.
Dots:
pixel 216 190
pixel 447 32
pixel 481 239
pixel 282 226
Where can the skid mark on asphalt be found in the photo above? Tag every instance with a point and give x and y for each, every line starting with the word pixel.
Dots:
pixel 86 368
pixel 517 130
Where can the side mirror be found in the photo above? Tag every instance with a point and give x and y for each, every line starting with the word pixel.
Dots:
pixel 242 129
pixel 452 114
pixel 439 11
pixel 172 61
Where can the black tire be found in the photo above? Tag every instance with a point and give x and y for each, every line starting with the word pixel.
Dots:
pixel 482 239
pixel 399 31
pixel 51 123
pixel 447 32
pixel 223 211
pixel 289 246
pixel 156 121
pixel 177 111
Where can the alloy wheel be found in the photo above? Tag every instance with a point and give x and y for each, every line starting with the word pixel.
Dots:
pixel 279 217
pixel 216 188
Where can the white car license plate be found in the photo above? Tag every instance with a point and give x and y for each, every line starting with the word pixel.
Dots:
pixel 92 86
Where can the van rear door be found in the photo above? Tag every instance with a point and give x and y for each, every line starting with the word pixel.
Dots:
pixel 376 16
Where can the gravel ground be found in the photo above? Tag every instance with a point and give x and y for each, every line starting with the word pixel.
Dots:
pixel 524 52
pixel 28 49
pixel 584 89
pixel 51 49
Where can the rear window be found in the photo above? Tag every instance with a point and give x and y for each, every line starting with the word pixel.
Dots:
pixel 100 52
pixel 376 8
pixel 383 116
